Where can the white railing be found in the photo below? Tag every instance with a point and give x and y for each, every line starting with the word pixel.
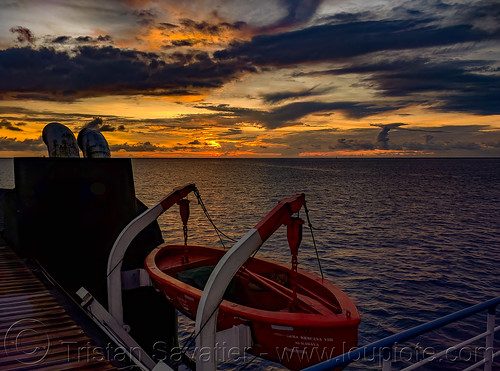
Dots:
pixel 386 346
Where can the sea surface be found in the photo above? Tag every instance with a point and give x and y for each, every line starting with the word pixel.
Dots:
pixel 409 240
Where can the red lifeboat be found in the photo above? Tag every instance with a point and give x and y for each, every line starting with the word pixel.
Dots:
pixel 296 318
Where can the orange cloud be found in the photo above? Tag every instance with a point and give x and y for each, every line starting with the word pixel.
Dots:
pixel 367 153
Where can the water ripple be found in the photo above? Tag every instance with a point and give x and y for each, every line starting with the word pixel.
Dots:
pixel 409 240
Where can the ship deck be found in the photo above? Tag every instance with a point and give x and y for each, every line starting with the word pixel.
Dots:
pixel 36 330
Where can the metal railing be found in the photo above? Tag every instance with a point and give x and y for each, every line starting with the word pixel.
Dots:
pixel 386 345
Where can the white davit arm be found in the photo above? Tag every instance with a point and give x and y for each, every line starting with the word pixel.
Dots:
pixel 114 278
pixel 224 271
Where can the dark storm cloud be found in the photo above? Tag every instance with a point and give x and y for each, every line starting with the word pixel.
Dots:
pixel 119 123
pixel 231 132
pixel 97 124
pixel 9 126
pixel 107 127
pixel 278 97
pixel 345 17
pixel 113 123
pixel 80 40
pixel 61 40
pixel 23 34
pixel 12 144
pixel 139 147
pixel 290 114
pixel 351 145
pixel 383 136
pixel 94 40
pixel 231 117
pixel 150 147
pixel 470 86
pixel 12 113
pixel 94 71
pixel 189 27
pixel 474 140
pixel 445 140
pixel 17 110
pixel 336 42
pixel 145 17
pixel 167 26
pixel 210 28
pixel 476 100
pixel 428 139
pixel 183 42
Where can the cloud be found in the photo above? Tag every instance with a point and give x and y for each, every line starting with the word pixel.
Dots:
pixel 231 132
pixel 291 114
pixel 195 143
pixel 183 42
pixel 464 86
pixel 448 140
pixel 348 17
pixel 298 12
pixel 150 147
pixel 382 137
pixel 61 39
pixel 145 17
pixel 97 124
pixel 24 35
pixel 166 25
pixel 80 40
pixel 428 139
pixel 210 28
pixel 351 145
pixel 287 114
pixel 8 125
pixel 107 127
pixel 467 140
pixel 339 42
pixel 199 33
pixel 96 71
pixel 278 97
pixel 137 147
pixel 12 144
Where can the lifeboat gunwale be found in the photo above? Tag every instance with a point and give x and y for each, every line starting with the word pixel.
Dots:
pixel 325 318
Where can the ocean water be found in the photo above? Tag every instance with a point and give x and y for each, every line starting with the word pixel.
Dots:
pixel 409 240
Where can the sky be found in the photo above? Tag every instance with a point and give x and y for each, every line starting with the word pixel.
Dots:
pixel 289 78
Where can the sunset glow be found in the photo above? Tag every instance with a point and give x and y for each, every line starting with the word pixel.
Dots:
pixel 254 79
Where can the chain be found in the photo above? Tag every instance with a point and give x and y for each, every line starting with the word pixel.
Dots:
pixel 314 241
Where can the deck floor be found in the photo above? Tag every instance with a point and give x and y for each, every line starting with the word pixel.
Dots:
pixel 36 332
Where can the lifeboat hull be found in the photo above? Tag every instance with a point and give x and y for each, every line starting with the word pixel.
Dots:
pixel 321 324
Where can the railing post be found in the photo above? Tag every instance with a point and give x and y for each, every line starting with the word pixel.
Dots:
pixel 387 359
pixel 490 329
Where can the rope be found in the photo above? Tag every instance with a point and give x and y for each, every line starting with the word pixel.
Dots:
pixel 116 266
pixel 315 228
pixel 314 241
pixel 248 363
pixel 217 230
pixel 193 336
